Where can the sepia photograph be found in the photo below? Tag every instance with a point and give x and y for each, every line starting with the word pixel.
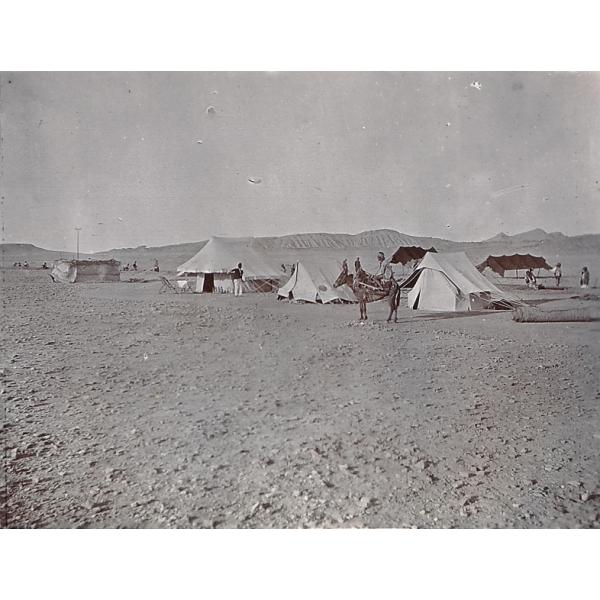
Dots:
pixel 299 301
pixel 290 300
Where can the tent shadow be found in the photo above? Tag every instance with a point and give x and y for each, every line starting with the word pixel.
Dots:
pixel 451 315
pixel 539 301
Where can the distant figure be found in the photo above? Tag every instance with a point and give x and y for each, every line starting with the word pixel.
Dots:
pixel 557 273
pixel 283 268
pixel 44 266
pixel 293 270
pixel 357 265
pixel 134 265
pixel 584 280
pixel 237 275
pixel 530 280
pixel 156 267
pixel 345 266
pixel 26 265
pixel 19 265
pixel 126 267
pixel 15 265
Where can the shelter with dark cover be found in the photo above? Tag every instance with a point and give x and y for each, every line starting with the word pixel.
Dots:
pixel 405 254
pixel 514 262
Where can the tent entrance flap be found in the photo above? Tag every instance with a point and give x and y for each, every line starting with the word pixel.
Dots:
pixel 208 284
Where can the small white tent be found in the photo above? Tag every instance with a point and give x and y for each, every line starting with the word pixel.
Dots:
pixel 313 282
pixel 215 260
pixel 450 282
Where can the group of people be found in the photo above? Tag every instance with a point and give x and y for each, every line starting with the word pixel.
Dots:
pixel 531 280
pixel 25 265
pixel 129 267
pixel 134 266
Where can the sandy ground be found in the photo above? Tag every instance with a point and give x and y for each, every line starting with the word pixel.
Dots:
pixel 123 407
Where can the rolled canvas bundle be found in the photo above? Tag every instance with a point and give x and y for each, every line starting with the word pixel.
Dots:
pixel 528 314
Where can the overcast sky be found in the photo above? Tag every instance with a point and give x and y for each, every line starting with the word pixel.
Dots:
pixel 165 158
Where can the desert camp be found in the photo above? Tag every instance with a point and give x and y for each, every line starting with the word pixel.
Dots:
pixel 290 301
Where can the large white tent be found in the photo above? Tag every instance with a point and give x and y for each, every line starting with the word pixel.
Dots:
pixel 313 282
pixel 450 282
pixel 215 260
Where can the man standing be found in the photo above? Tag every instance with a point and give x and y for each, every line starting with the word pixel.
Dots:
pixel 557 273
pixel 237 275
pixel 384 270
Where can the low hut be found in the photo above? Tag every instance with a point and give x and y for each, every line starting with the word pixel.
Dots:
pixel 86 271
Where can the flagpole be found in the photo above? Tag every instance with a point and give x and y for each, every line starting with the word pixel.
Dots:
pixel 77 229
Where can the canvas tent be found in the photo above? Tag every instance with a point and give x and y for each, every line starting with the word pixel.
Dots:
pixel 212 264
pixel 450 282
pixel 406 254
pixel 85 271
pixel 513 262
pixel 313 282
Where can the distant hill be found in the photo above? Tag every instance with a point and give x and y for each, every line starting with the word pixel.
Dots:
pixel 11 253
pixel 168 256
pixel 379 238
pixel 535 235
pixel 366 244
pixel 555 242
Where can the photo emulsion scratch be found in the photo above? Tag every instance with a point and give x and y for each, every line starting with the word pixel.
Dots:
pixel 300 300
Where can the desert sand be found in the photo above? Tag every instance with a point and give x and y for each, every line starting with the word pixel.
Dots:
pixel 124 407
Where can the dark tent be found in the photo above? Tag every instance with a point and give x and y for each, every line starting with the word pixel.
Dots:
pixel 514 262
pixel 405 254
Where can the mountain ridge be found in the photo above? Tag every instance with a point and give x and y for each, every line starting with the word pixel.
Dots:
pixel 532 241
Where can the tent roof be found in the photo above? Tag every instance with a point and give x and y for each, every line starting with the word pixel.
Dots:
pixel 314 281
pixel 405 254
pixel 221 254
pixel 512 262
pixel 460 271
pixel 89 262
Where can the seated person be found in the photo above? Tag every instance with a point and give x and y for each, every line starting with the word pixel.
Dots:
pixel 530 280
